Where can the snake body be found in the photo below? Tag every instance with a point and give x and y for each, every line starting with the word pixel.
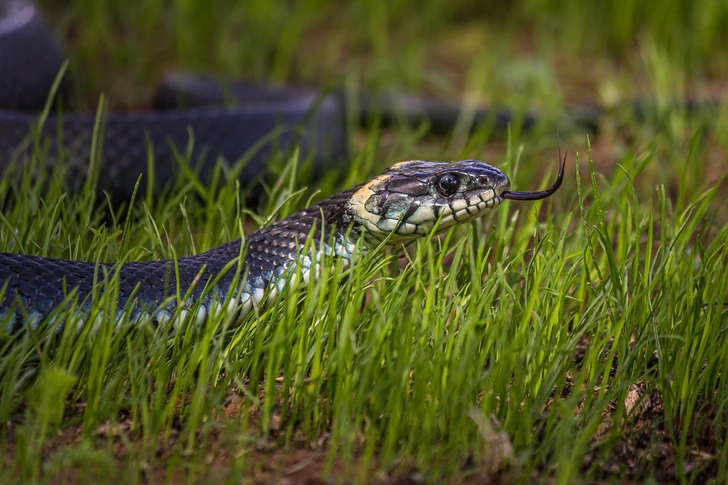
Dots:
pixel 403 203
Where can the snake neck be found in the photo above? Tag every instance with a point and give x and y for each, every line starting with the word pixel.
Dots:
pixel 296 245
pixel 273 257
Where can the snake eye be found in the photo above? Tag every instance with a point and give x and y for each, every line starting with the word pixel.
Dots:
pixel 448 184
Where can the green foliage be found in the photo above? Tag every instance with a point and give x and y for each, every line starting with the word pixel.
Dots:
pixel 512 345
pixel 474 336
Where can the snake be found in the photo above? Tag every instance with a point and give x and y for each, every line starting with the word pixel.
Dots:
pixel 407 201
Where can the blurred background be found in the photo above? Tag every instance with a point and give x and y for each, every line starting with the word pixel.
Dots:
pixel 545 51
pixel 553 58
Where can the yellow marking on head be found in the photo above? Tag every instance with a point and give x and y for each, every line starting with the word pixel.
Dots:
pixel 361 196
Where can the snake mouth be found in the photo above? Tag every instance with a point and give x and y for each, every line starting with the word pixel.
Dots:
pixel 512 195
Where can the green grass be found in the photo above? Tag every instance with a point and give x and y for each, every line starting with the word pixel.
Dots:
pixel 514 347
pixel 413 366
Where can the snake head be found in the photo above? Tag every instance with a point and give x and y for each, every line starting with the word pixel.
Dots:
pixel 407 200
pixel 410 198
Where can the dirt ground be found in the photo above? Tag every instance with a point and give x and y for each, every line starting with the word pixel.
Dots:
pixel 645 448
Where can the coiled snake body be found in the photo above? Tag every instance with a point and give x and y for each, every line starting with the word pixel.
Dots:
pixel 403 203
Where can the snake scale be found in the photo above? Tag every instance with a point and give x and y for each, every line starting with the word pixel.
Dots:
pixel 403 203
